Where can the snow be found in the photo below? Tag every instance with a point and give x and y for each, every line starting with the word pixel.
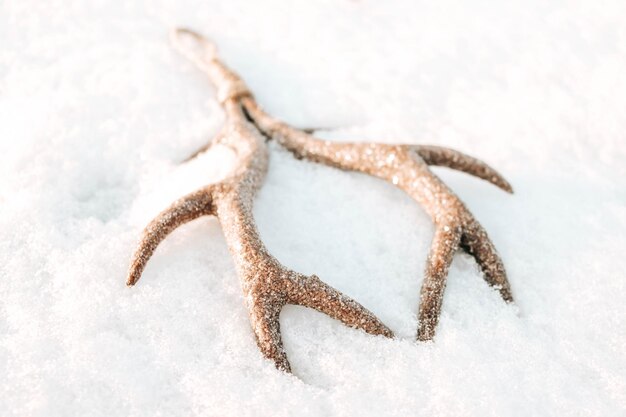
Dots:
pixel 97 111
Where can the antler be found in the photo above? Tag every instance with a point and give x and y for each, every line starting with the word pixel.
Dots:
pixel 267 285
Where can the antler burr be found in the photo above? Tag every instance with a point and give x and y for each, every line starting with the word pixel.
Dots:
pixel 268 285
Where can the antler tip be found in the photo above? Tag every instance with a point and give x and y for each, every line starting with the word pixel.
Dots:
pixel 133 276
pixel 130 281
pixel 499 181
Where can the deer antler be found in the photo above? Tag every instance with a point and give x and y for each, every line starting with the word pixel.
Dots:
pixel 268 285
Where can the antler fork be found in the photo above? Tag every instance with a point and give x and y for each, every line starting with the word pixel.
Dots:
pixel 268 285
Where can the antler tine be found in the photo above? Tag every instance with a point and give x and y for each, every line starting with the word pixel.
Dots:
pixel 314 293
pixel 184 210
pixel 476 242
pixel 444 244
pixel 440 156
pixel 265 319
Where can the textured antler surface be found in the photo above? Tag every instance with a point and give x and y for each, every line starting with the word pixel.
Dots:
pixel 268 285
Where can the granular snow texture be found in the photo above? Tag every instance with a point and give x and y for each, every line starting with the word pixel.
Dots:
pixel 97 111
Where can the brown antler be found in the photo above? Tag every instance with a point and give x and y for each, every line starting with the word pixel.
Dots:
pixel 267 285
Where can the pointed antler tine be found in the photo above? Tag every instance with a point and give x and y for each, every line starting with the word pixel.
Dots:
pixel 265 319
pixel 313 293
pixel 444 244
pixel 181 211
pixel 440 156
pixel 476 242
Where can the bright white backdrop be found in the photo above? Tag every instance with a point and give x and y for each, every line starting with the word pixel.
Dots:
pixel 96 111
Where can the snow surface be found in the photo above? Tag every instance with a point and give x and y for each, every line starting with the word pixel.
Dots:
pixel 96 111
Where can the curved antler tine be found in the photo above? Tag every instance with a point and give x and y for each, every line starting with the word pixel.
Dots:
pixel 313 293
pixel 476 242
pixel 181 211
pixel 440 156
pixel 445 243
pixel 265 319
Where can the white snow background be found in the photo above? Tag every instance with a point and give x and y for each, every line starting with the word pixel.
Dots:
pixel 97 110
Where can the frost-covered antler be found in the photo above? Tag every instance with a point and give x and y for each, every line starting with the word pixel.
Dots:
pixel 268 285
